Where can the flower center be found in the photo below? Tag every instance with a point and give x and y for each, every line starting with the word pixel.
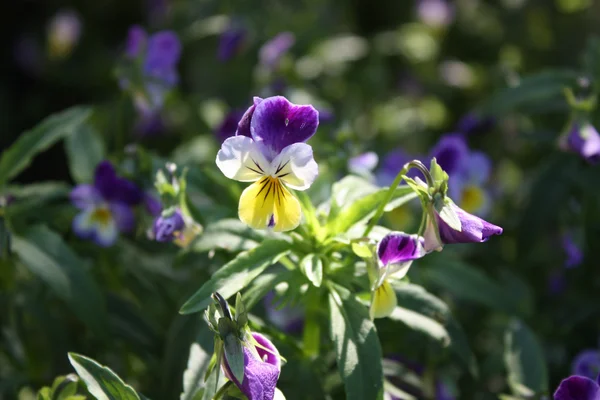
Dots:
pixel 101 215
pixel 473 199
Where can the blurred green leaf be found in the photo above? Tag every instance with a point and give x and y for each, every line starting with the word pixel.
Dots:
pixel 193 377
pixel 228 234
pixel 357 347
pixel 101 381
pixel 524 359
pixel 238 273
pixel 312 267
pixel 531 91
pixel 264 284
pixel 85 151
pixel 421 323
pixel 55 127
pixel 50 259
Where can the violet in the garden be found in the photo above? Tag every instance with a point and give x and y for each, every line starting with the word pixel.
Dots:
pixel 269 150
pixel 578 388
pixel 106 206
pixel 583 139
pixel 169 226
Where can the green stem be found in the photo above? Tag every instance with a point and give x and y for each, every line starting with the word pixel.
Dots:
pixel 380 210
pixel 311 335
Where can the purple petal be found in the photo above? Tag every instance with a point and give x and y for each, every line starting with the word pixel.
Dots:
pixel 587 363
pixel 277 123
pixel 230 43
pixel 228 127
pixel 473 229
pixel 272 51
pixel 85 196
pixel 164 49
pixel 577 388
pixel 243 128
pixel 585 140
pixel 260 377
pixel 442 392
pixel 451 153
pixel 364 162
pixel 113 188
pixel 123 216
pixel 168 228
pixel 573 253
pixel 392 164
pixel 398 247
pixel 136 41
pixel 152 205
pixel 479 167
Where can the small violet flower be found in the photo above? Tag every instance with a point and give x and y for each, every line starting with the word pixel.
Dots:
pixel 261 370
pixel 106 206
pixel 584 140
pixel 269 150
pixel 272 51
pixel 587 363
pixel 395 253
pixel 169 227
pixel 578 388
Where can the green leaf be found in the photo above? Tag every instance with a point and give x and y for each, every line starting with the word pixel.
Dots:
pixel 312 267
pixel 364 207
pixel 421 323
pixel 18 156
pixel 264 284
pixel 101 381
pixel 544 88
pixel 238 273
pixel 228 234
pixel 193 377
pixel 591 60
pixel 357 347
pixel 524 359
pixel 233 349
pixel 50 259
pixel 85 150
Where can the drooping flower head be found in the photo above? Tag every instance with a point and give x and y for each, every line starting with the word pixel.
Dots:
pixel 106 206
pixel 156 57
pixel 587 363
pixel 261 369
pixel 395 253
pixel 269 150
pixel 64 31
pixel 583 139
pixel 272 51
pixel 578 388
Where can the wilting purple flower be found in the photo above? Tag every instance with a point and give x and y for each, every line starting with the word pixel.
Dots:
pixel 106 206
pixel 472 124
pixel 260 373
pixel 229 125
pixel 473 230
pixel 271 52
pixel 64 31
pixel 578 388
pixel 289 319
pixel 363 163
pixel 587 363
pixel 169 227
pixel 269 149
pixel 584 140
pixel 436 13
pixel 574 255
pixel 230 43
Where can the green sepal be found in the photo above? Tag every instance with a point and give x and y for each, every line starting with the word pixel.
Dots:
pixel 241 314
pixel 445 209
pixel 363 249
pixel 419 189
pixel 233 348
pixel 165 189
pixel 439 177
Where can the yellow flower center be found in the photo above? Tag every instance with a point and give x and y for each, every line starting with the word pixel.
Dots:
pixel 102 216
pixel 473 198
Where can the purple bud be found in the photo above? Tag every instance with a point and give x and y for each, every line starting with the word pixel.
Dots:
pixel 168 228
pixel 136 41
pixel 585 141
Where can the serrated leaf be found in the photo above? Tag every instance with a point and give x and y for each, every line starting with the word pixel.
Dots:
pixel 85 151
pixel 312 267
pixel 45 254
pixel 357 347
pixel 55 127
pixel 101 381
pixel 524 360
pixel 238 273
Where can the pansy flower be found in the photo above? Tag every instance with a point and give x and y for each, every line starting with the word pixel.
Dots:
pixel 262 366
pixel 106 206
pixel 395 253
pixel 583 139
pixel 269 150
pixel 578 387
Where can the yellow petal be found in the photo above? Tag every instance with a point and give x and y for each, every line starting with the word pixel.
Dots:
pixel 384 301
pixel 269 204
pixel 473 199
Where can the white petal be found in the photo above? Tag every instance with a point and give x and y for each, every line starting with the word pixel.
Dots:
pixel 240 158
pixel 295 166
pixel 106 234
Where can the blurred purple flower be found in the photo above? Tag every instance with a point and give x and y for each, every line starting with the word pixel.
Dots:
pixel 260 373
pixel 290 319
pixel 152 205
pixel 392 164
pixel 169 227
pixel 584 140
pixel 64 31
pixel 578 388
pixel 272 51
pixel 435 13
pixel 574 255
pixel 229 125
pixel 587 363
pixel 451 153
pixel 230 43
pixel 472 124
pixel 325 116
pixel 106 206
pixel 364 163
